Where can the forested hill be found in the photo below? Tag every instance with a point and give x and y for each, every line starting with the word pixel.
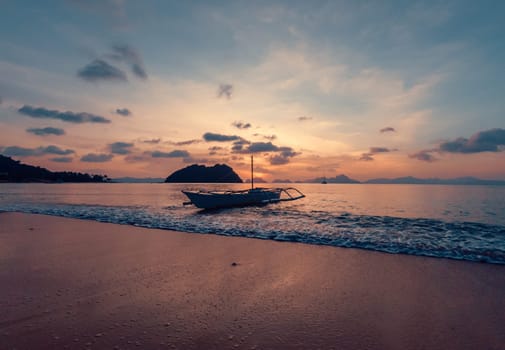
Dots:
pixel 14 171
pixel 201 173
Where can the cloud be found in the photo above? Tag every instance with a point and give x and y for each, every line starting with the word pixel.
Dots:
pixel 120 147
pixel 101 70
pixel 483 141
pixel 125 112
pixel 61 159
pixel 96 158
pixel 288 152
pixel 147 156
pixel 184 143
pixel 46 131
pixel 173 154
pixel 239 145
pixel 374 150
pixel 367 157
pixel 55 150
pixel 424 155
pixel 492 140
pixel 19 151
pixel 256 147
pixel 71 117
pixel 388 129
pixel 225 90
pixel 241 125
pixel 35 152
pixel 264 147
pixel 139 71
pixel 131 56
pixel 214 150
pixel 209 137
pixel 267 137
pixel 304 118
pixel 278 160
pixel 136 158
pixel 282 156
pixel 152 141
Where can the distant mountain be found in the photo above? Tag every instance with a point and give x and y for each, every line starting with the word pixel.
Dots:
pixel 398 180
pixel 257 180
pixel 221 173
pixel 435 181
pixel 14 171
pixel 138 179
pixel 339 179
pixel 281 181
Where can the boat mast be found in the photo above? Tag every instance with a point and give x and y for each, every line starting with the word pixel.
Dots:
pixel 252 173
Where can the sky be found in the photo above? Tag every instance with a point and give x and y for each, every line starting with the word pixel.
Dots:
pixel 310 88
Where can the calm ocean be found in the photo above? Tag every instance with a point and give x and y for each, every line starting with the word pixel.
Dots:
pixel 459 222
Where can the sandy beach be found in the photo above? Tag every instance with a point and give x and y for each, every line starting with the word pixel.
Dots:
pixel 75 284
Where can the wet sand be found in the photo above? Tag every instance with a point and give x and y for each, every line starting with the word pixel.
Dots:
pixel 75 284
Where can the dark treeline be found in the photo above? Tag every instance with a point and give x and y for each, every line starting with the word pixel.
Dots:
pixel 14 171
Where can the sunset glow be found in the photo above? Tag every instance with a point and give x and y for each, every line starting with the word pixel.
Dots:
pixel 318 89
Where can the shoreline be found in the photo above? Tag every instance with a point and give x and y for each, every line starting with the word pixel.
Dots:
pixel 448 254
pixel 82 283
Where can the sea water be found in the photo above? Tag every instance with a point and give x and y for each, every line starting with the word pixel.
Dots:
pixel 459 222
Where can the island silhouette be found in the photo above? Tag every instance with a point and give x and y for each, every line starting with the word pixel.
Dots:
pixel 219 173
pixel 14 171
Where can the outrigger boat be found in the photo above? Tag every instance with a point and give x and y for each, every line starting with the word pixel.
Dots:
pixel 253 196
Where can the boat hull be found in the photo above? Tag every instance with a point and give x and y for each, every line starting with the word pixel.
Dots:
pixel 214 200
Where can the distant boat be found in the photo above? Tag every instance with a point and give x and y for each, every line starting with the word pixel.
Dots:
pixel 253 196
pixel 324 182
